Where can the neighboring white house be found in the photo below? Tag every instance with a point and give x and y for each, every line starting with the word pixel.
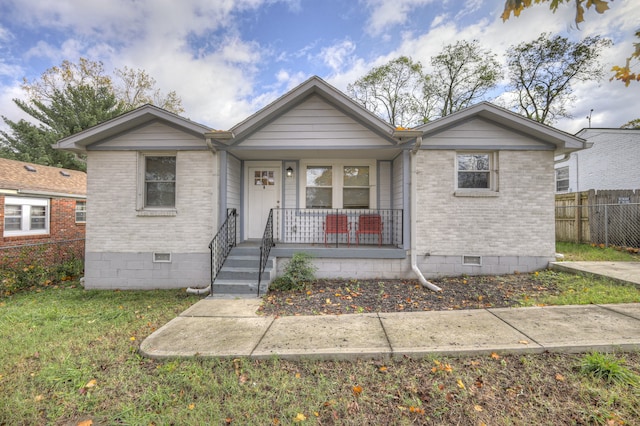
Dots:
pixel 612 162
pixel 471 193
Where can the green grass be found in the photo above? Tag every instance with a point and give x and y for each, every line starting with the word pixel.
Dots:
pixel 70 355
pixel 587 252
pixel 582 290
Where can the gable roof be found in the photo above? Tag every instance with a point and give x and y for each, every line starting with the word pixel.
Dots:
pixel 313 86
pixel 44 180
pixel 563 142
pixel 145 114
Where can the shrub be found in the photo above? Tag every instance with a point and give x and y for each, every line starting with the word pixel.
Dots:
pixel 298 273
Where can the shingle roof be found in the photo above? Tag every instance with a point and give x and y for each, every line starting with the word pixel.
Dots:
pixel 15 176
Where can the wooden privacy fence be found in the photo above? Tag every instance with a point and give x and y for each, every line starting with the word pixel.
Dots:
pixel 609 217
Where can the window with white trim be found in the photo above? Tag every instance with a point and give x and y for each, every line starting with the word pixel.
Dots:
pixel 346 185
pixel 26 216
pixel 156 184
pixel 562 179
pixel 81 211
pixel 476 171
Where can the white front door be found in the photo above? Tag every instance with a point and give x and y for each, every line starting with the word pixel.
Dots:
pixel 263 195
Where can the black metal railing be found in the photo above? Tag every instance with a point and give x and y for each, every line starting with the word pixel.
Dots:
pixel 335 227
pixel 265 247
pixel 222 243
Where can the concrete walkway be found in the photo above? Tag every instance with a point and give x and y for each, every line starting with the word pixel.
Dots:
pixel 231 328
pixel 628 272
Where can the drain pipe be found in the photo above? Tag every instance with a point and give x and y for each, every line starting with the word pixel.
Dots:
pixel 414 216
pixel 199 291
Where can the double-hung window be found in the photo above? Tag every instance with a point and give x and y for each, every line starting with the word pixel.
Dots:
pixel 26 216
pixel 476 172
pixel 333 184
pixel 81 211
pixel 562 179
pixel 157 184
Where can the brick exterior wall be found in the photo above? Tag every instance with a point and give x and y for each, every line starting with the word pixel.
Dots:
pixel 65 239
pixel 121 242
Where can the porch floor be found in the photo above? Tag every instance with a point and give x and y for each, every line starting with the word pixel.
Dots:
pixel 333 251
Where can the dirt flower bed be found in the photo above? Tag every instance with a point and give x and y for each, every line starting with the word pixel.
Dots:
pixel 331 297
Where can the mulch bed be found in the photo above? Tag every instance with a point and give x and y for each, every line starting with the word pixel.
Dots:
pixel 334 297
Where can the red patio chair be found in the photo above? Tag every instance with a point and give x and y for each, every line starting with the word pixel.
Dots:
pixel 337 224
pixel 370 224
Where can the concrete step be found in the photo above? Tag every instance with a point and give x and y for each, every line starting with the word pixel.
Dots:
pixel 245 262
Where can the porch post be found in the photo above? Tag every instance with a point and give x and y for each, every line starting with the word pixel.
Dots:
pixel 406 199
pixel 222 187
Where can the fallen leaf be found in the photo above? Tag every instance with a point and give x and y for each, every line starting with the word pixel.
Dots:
pixel 495 355
pixel 460 384
pixel 382 369
pixel 297 375
pixel 300 418
pixel 479 382
pixel 192 406
pixel 523 342
pixel 477 408
pixel 448 368
pixel 357 390
pixel 38 398
pixel 559 377
pixel 85 423
pixel 91 383
pixel 416 410
pixel 132 338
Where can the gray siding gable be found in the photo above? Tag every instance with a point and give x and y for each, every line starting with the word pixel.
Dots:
pixel 154 135
pixel 480 133
pixel 314 123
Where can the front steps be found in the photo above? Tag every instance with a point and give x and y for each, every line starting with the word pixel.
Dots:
pixel 239 274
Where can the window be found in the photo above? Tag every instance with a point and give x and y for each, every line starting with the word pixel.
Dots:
pixel 355 194
pixel 562 179
pixel 26 216
pixel 81 211
pixel 159 181
pixel 319 187
pixel 476 174
pixel 339 185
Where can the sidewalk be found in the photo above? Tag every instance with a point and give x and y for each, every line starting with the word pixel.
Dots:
pixel 231 328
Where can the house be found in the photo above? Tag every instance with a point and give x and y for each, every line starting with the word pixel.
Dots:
pixel 611 163
pixel 41 205
pixel 471 193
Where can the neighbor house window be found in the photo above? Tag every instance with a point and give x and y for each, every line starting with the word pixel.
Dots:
pixel 342 185
pixel 81 211
pixel 26 216
pixel 159 181
pixel 562 179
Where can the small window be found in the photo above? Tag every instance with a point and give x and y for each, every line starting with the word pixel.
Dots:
pixel 319 187
pixel 472 260
pixel 160 181
pixel 562 179
pixel 81 211
pixel 474 171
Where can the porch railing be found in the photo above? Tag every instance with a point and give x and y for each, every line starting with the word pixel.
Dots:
pixel 222 243
pixel 265 247
pixel 339 227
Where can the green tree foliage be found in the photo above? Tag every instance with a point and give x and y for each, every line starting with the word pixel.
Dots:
pixel 633 124
pixel 393 91
pixel 72 97
pixel 542 72
pixel 64 113
pixel 621 72
pixel 463 74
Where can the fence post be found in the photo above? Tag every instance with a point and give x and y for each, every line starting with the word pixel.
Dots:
pixel 578 217
pixel 606 225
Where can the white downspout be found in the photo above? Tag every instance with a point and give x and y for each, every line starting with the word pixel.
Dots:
pixel 414 216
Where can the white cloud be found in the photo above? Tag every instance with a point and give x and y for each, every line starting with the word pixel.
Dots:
pixel 338 55
pixel 389 13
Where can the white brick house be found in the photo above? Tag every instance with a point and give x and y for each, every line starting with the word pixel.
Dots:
pixel 611 162
pixel 470 193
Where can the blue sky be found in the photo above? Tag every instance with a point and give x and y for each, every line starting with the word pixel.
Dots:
pixel 228 58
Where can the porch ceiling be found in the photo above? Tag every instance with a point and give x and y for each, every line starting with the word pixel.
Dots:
pixel 297 154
